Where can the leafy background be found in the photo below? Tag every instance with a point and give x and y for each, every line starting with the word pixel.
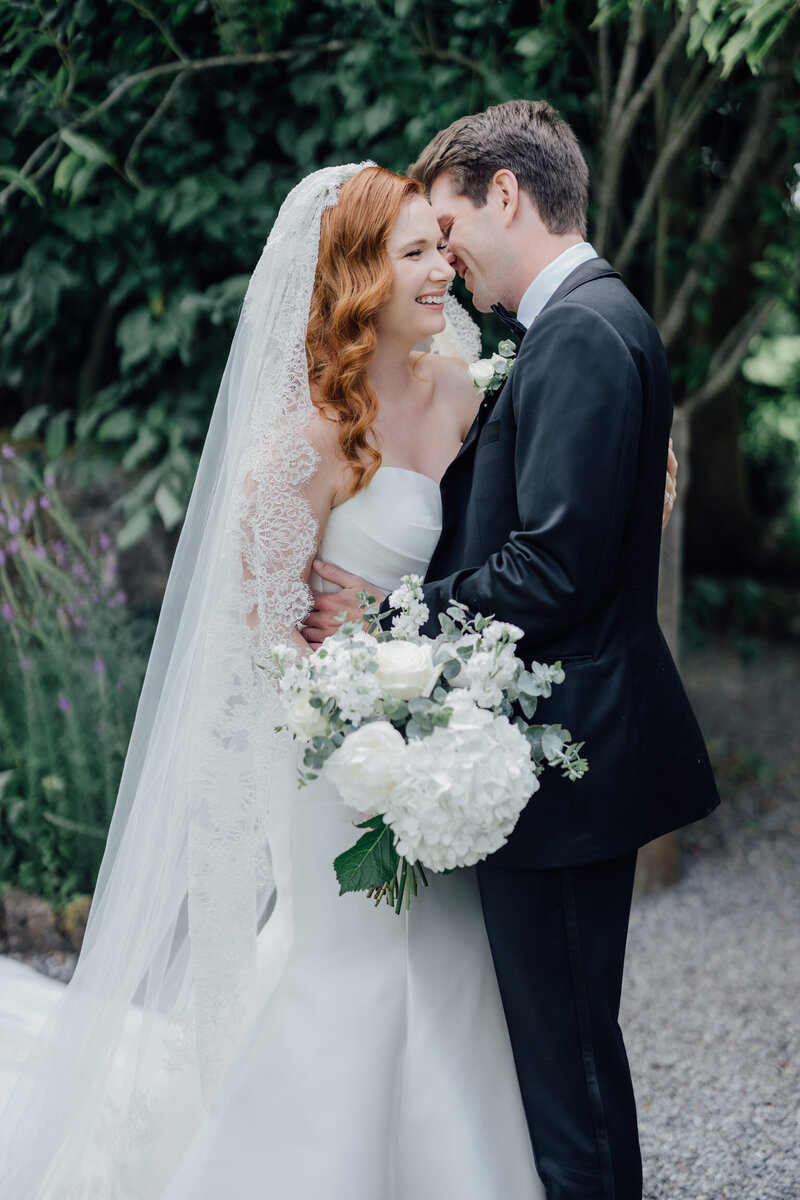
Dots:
pixel 147 147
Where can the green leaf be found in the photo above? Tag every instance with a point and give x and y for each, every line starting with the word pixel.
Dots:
pixel 56 435
pixel 118 427
pixel 29 423
pixel 85 147
pixel 134 529
pixel 25 184
pixel 65 172
pixel 371 862
pixel 168 506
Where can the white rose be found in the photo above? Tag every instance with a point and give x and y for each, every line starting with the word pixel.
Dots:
pixel 482 372
pixel 303 719
pixel 406 669
pixel 367 766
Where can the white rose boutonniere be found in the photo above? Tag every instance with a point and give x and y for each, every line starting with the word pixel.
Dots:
pixel 489 373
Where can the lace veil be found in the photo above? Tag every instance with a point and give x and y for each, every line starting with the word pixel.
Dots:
pixel 191 920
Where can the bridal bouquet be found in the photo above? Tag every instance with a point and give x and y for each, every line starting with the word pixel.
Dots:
pixel 424 736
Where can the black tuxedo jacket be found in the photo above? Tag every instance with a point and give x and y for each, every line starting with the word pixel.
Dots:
pixel 551 519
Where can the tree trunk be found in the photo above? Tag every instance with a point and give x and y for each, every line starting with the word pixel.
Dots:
pixel 659 864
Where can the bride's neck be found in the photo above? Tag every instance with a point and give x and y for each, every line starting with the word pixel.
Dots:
pixel 391 368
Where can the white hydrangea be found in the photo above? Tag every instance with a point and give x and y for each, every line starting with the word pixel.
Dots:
pixel 461 789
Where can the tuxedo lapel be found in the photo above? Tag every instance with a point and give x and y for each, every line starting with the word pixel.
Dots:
pixel 595 268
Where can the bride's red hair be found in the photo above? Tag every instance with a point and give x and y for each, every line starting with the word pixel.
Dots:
pixel 352 284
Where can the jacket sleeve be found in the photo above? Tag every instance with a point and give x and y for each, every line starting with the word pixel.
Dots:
pixel 577 402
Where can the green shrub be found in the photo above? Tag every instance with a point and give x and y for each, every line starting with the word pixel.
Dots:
pixel 72 660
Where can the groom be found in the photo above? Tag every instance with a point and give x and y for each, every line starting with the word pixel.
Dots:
pixel 551 520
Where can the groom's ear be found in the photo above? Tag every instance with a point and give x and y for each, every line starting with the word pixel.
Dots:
pixel 504 191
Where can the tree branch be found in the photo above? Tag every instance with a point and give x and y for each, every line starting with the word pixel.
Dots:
pixel 623 119
pixel 196 66
pixel 730 354
pixel 614 146
pixel 128 168
pixel 630 59
pixel 675 141
pixel 604 61
pixel 712 226
pixel 656 72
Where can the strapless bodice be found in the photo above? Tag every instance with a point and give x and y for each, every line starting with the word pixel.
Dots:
pixel 386 531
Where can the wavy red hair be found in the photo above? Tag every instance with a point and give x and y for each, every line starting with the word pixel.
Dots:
pixel 352 284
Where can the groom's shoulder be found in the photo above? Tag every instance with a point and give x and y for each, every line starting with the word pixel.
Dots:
pixel 607 303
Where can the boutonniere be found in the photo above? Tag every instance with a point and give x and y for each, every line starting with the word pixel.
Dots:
pixel 489 373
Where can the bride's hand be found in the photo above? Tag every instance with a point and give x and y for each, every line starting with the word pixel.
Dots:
pixel 670 487
pixel 323 620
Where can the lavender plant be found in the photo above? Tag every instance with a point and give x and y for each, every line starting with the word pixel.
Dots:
pixel 72 659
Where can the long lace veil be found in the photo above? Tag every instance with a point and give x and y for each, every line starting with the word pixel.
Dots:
pixel 169 974
pixel 191 920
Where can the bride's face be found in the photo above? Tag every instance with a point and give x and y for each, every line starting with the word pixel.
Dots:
pixel 420 275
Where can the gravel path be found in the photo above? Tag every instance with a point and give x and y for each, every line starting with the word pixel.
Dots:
pixel 711 1007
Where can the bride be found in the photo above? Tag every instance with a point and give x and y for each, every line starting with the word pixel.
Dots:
pixel 234 1026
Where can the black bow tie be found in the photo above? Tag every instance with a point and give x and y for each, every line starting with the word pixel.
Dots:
pixel 513 324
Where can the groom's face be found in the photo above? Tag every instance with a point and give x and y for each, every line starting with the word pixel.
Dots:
pixel 472 241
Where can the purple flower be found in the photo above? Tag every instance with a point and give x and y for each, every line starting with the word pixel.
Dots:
pixel 99 666
pixel 44 501
pixel 13 546
pixel 24 663
pixel 49 479
pixel 105 542
pixel 7 451
pixel 14 525
pixel 7 611
pixel 28 510
pixel 64 704
pixel 40 551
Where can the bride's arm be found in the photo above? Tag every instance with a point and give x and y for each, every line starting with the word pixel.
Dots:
pixel 320 493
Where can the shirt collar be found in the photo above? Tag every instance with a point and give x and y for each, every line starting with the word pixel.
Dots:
pixel 550 278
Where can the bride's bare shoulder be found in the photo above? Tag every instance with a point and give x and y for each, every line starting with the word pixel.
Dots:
pixel 454 388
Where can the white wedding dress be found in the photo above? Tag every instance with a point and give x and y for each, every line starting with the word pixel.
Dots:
pixel 380 1065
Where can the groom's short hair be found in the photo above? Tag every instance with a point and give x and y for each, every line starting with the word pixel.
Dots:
pixel 527 137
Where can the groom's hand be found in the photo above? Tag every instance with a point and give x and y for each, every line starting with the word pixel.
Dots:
pixel 670 487
pixel 323 620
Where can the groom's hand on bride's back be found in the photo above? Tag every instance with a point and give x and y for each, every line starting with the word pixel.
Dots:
pixel 325 616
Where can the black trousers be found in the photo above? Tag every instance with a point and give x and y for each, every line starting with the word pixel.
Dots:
pixel 558 941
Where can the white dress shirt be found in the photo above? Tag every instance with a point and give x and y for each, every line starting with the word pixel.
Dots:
pixel 550 278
